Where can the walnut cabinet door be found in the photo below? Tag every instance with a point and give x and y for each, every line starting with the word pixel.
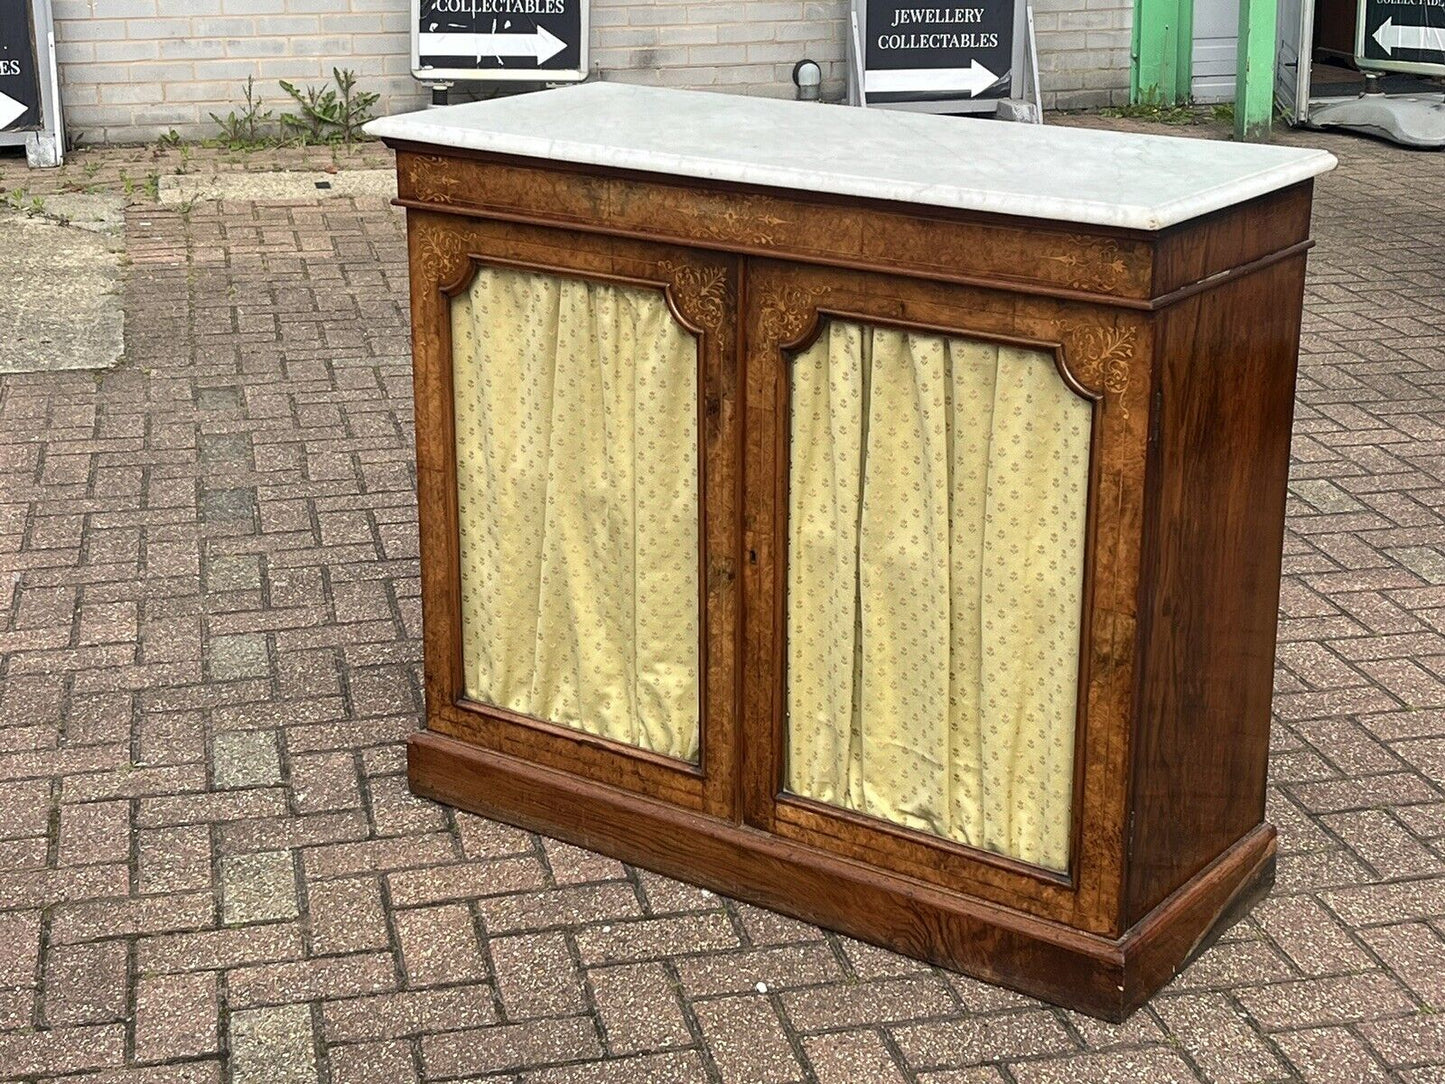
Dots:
pixel 578 460
pixel 933 681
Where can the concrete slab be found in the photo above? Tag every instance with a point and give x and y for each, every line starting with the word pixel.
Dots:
pixel 277 186
pixel 60 298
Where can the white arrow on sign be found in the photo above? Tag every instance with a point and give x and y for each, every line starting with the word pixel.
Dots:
pixel 1423 38
pixel 10 110
pixel 542 44
pixel 973 79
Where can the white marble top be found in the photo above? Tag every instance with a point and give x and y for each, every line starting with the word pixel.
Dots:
pixel 1035 171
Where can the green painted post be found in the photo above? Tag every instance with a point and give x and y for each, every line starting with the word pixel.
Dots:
pixel 1254 76
pixel 1163 47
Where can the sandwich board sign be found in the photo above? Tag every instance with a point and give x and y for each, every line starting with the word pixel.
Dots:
pixel 19 69
pixel 1401 36
pixel 29 83
pixel 965 58
pixel 533 40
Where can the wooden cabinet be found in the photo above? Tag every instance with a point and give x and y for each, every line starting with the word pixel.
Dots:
pixel 1151 375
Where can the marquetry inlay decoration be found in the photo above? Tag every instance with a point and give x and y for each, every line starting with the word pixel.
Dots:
pixel 442 248
pixel 1093 263
pixel 743 219
pixel 787 311
pixel 429 177
pixel 700 292
pixel 1101 358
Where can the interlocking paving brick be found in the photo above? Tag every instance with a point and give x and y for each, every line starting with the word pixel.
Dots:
pixel 535 975
pixel 272 1046
pixel 439 945
pixel 847 1056
pixel 572 865
pixel 62 1050
pixel 747 1040
pixel 650 939
pixel 211 949
pixel 409 1012
pixel 437 884
pixel 234 572
pixel 311 980
pixel 1326 1055
pixel 24 808
pixel 639 1007
pixel 347 916
pixel 1326 1001
pixel 176 1016
pixel 971 1040
pixel 85 984
pixel 141 916
pixel 1407 1040
pixel 510 1046
pixel 210 658
pixel 173 859
pixel 372 1063
pixel 670 1068
pixel 1312 939
pixel 1152 1064
pixel 1214 1034
pixel 578 906
pixel 258 887
pixel 871 962
pixel 244 758
pixel 1415 953
pixel 780 967
pixel 17 1009
pixel 19 947
pixel 884 1001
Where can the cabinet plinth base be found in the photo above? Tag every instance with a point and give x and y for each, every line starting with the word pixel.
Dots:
pixel 1093 974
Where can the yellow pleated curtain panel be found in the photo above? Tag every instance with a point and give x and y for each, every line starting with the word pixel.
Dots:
pixel 577 480
pixel 937 508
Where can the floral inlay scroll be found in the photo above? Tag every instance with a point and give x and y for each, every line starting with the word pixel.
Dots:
pixel 1101 358
pixel 428 177
pixel 788 310
pixel 442 248
pixel 744 219
pixel 1092 263
pixel 700 292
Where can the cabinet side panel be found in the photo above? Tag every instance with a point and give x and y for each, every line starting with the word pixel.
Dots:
pixel 1219 469
pixel 1232 237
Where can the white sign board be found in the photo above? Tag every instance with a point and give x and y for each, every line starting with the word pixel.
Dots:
pixel 533 40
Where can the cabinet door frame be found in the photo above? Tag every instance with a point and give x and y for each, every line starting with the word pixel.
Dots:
pixel 786 308
pixel 446 252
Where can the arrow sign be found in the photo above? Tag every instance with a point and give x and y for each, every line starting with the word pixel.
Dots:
pixel 1421 38
pixel 972 79
pixel 10 110
pixel 542 45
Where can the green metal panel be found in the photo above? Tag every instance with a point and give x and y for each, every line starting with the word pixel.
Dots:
pixel 1254 78
pixel 1163 52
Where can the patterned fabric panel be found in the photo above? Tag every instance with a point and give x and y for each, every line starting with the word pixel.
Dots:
pixel 937 511
pixel 577 486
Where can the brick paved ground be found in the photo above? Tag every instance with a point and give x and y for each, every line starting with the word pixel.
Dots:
pixel 212 869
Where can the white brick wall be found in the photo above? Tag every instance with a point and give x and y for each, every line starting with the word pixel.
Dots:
pixel 134 69
pixel 1083 52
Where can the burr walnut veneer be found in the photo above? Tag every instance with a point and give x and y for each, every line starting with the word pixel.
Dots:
pixel 1177 331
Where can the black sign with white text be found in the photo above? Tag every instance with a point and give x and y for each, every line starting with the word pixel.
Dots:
pixel 1402 35
pixel 500 39
pixel 19 72
pixel 918 53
